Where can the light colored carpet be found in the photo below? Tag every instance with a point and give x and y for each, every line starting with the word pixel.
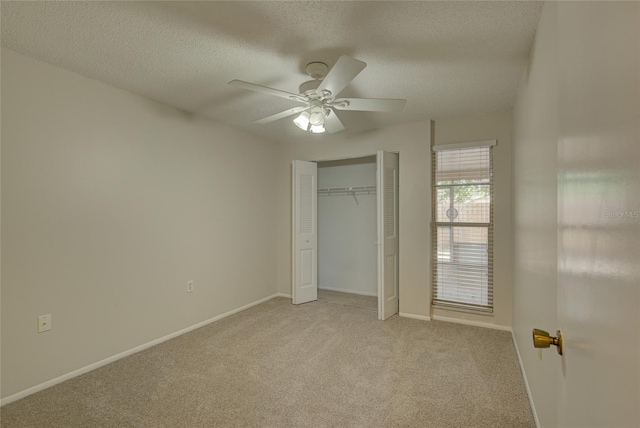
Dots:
pixel 312 365
pixel 348 299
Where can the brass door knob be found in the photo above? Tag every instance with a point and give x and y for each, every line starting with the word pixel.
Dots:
pixel 542 339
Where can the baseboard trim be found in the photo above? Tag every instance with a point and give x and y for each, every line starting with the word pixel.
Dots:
pixel 98 364
pixel 473 323
pixel 344 290
pixel 526 382
pixel 288 296
pixel 414 316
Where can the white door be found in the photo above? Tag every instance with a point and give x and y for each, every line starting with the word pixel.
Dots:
pixel 599 214
pixel 305 232
pixel 387 184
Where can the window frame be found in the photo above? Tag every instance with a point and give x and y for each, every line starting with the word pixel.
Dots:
pixel 447 303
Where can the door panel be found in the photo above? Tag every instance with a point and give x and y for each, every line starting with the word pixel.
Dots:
pixel 390 272
pixel 306 267
pixel 305 242
pixel 599 214
pixel 387 234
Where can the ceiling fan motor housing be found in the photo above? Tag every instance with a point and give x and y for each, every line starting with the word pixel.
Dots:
pixel 309 87
pixel 318 71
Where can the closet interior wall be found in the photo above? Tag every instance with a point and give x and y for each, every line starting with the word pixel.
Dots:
pixel 347 250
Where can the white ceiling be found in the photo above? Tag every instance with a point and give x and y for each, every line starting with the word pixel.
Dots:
pixel 448 59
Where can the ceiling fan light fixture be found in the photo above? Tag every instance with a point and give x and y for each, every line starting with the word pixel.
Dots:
pixel 302 121
pixel 312 120
pixel 317 115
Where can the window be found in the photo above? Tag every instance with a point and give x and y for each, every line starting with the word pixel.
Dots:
pixel 462 178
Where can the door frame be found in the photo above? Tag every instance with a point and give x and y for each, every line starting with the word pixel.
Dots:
pixel 378 221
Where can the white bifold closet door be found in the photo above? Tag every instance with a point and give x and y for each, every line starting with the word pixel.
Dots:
pixel 305 232
pixel 387 192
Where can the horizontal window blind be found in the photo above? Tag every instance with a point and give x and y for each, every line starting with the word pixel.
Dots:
pixel 463 228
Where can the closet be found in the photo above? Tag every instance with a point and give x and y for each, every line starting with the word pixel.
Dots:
pixel 344 230
pixel 347 232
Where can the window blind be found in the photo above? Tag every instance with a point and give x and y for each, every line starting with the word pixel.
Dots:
pixel 463 227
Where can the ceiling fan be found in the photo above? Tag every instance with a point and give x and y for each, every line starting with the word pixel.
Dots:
pixel 319 97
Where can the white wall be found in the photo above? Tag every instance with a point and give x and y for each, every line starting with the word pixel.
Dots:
pixel 535 208
pixel 412 141
pixel 347 230
pixel 111 203
pixel 494 126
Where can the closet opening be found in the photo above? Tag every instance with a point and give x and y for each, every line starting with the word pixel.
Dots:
pixel 347 232
pixel 350 207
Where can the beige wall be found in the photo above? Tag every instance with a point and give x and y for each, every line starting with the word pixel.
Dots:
pixel 111 203
pixel 535 208
pixel 494 126
pixel 412 141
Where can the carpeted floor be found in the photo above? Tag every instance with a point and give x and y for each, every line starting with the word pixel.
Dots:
pixel 348 299
pixel 312 365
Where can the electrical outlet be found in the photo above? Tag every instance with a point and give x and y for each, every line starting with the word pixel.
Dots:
pixel 189 286
pixel 44 323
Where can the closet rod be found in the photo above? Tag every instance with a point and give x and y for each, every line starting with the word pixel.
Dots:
pixel 366 190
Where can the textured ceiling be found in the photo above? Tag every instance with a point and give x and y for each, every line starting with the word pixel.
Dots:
pixel 447 59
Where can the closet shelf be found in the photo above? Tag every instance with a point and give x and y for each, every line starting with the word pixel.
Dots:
pixel 355 190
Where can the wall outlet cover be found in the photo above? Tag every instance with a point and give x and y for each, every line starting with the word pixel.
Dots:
pixel 44 323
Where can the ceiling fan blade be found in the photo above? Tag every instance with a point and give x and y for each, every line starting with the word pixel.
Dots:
pixel 341 74
pixel 332 123
pixel 281 115
pixel 369 104
pixel 265 90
